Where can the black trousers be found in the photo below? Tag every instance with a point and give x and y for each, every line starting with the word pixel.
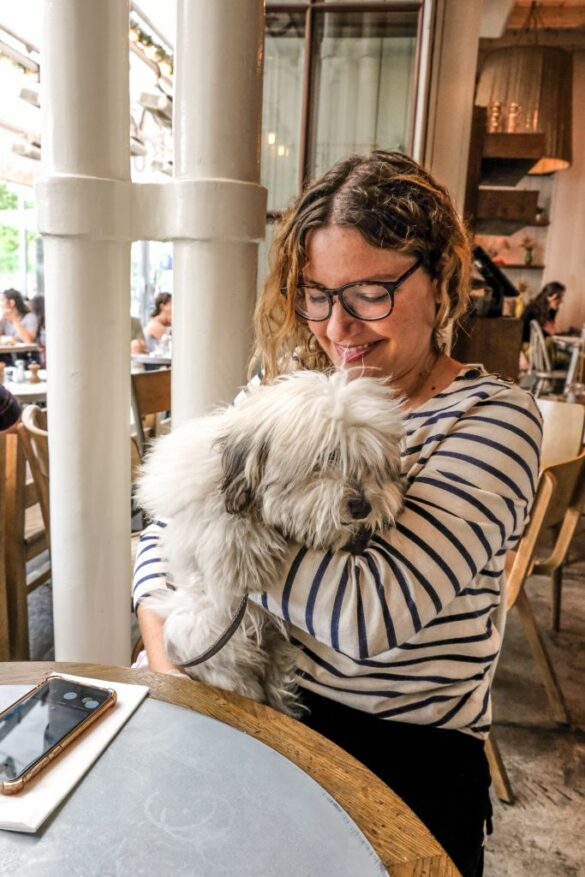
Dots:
pixel 442 775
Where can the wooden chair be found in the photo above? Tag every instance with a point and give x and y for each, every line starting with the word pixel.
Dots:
pixel 27 531
pixel 151 395
pixel 4 619
pixel 559 502
pixel 34 439
pixel 541 374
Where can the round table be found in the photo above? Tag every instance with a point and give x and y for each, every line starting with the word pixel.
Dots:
pixel 405 847
pixel 19 348
pixel 26 393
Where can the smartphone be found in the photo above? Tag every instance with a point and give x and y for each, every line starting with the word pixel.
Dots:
pixel 38 726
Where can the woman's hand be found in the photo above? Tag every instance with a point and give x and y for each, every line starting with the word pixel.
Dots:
pixel 151 627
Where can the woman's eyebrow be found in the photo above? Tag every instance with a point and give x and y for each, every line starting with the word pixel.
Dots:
pixel 386 276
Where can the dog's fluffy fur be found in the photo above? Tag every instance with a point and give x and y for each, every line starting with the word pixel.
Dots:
pixel 310 458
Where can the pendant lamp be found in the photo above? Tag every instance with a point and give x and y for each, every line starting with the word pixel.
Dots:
pixel 528 89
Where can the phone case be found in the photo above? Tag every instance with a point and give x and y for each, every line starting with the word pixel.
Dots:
pixel 9 787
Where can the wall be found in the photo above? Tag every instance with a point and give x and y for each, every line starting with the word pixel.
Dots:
pixel 565 253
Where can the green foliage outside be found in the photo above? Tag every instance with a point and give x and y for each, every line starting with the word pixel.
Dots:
pixel 8 234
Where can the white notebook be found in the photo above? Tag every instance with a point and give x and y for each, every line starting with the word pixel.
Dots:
pixel 28 809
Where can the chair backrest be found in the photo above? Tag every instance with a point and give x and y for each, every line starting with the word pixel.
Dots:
pixel 538 357
pixel 4 619
pixel 563 428
pixel 151 394
pixel 559 503
pixel 35 439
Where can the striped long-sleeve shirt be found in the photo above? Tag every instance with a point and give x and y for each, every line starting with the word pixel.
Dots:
pixel 405 630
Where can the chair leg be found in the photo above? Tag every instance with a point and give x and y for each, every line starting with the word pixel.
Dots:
pixel 500 779
pixel 559 711
pixel 557 585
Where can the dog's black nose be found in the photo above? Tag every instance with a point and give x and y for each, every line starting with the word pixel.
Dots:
pixel 359 508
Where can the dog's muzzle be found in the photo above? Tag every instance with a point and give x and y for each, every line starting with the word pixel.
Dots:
pixel 359 508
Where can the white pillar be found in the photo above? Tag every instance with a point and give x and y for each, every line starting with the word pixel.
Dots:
pixel 82 209
pixel 217 129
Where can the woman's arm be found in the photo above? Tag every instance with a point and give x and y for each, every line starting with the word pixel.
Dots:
pixel 25 327
pixel 472 483
pixel 150 576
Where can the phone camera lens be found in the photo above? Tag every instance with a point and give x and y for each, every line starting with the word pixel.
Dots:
pixel 89 703
pixel 70 695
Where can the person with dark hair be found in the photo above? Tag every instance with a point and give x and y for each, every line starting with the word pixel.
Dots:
pixel 10 410
pixel 17 320
pixel 161 319
pixel 543 309
pixel 398 643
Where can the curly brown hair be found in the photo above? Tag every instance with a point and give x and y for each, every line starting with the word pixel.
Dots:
pixel 394 204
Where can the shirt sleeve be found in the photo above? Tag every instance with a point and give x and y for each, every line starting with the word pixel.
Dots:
pixel 467 504
pixel 10 409
pixel 150 567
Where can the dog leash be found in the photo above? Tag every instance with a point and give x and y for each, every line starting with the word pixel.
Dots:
pixel 222 640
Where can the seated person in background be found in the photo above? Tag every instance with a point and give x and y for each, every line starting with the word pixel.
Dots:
pixel 17 320
pixel 160 320
pixel 137 340
pixel 543 309
pixel 10 411
pixel 37 307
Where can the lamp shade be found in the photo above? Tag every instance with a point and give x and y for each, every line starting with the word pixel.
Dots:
pixel 529 89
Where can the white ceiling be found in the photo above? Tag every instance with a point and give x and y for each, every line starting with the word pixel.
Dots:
pixel 24 19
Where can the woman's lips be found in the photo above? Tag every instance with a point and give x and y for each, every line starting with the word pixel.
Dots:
pixel 354 353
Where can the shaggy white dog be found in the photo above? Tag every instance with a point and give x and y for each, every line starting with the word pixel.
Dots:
pixel 310 458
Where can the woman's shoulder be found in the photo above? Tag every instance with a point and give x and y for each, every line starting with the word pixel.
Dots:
pixel 474 387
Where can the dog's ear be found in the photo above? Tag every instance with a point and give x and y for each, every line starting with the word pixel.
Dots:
pixel 243 462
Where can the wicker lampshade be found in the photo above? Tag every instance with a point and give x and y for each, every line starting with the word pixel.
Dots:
pixel 529 89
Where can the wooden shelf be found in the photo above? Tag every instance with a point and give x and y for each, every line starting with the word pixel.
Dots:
pixel 521 265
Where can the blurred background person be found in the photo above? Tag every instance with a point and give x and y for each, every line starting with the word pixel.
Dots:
pixel 543 309
pixel 137 340
pixel 37 307
pixel 10 411
pixel 17 320
pixel 160 319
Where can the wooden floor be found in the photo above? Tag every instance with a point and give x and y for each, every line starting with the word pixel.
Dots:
pixel 544 831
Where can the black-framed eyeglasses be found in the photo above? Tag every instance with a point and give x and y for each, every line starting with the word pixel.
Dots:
pixel 362 299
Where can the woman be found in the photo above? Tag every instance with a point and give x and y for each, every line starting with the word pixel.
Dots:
pixel 161 319
pixel 18 321
pixel 543 309
pixel 370 269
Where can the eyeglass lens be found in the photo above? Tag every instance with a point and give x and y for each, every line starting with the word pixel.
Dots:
pixel 367 302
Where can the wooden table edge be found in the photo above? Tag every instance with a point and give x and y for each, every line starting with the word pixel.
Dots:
pixel 378 812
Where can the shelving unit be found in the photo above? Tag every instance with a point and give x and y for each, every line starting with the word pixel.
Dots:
pixel 505 266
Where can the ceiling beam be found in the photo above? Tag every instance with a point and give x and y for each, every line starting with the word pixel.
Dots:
pixel 558 16
pixel 572 41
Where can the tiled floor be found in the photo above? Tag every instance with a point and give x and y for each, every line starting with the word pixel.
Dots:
pixel 543 832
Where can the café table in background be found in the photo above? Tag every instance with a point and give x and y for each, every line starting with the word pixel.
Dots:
pixel 400 840
pixel 27 392
pixel 150 360
pixel 17 349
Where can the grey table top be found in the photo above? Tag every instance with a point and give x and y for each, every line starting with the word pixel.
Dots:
pixel 178 793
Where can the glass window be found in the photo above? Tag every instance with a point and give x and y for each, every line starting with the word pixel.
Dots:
pixel 363 82
pixel 284 62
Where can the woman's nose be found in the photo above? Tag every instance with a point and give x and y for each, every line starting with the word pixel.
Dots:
pixel 339 322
